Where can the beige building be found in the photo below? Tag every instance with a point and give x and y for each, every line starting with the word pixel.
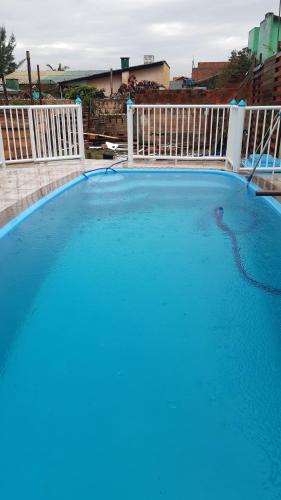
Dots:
pixel 110 81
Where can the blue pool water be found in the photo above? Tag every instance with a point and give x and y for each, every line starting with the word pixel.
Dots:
pixel 136 362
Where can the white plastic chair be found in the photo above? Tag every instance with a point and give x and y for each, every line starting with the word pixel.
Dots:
pixel 115 147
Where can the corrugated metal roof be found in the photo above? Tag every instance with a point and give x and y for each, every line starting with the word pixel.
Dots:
pixel 50 76
pixel 22 76
pixel 72 74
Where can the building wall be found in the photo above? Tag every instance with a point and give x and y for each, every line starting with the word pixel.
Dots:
pixel 206 70
pixel 253 39
pixel 262 40
pixel 125 77
pixel 177 84
pixel 166 76
pixel 267 37
pixel 159 74
pixel 103 83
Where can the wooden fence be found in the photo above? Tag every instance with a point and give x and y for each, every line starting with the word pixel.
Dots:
pixel 266 82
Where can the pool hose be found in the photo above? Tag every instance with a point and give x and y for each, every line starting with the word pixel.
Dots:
pixel 218 213
pixel 110 167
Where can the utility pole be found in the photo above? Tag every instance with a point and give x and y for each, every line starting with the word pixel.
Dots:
pixel 39 84
pixel 111 81
pixel 29 74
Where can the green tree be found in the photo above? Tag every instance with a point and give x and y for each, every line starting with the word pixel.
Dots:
pixel 238 65
pixel 86 92
pixel 7 58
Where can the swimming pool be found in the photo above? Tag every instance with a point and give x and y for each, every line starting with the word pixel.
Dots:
pixel 137 361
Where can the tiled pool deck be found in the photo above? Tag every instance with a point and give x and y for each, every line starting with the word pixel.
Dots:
pixel 23 185
pixel 269 182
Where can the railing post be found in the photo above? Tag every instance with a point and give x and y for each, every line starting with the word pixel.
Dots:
pixel 130 133
pixel 235 134
pixel 229 146
pixel 2 152
pixel 80 132
pixel 31 132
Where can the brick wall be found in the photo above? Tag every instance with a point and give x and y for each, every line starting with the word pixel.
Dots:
pixel 207 70
pixel 26 102
pixel 187 96
pixel 112 125
pixel 115 126
pixel 106 116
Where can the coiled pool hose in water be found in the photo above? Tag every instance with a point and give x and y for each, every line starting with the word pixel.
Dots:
pixel 218 213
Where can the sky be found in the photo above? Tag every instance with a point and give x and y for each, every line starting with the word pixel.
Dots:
pixel 88 34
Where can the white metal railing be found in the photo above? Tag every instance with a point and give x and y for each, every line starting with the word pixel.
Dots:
pixel 261 134
pixel 234 133
pixel 40 133
pixel 184 131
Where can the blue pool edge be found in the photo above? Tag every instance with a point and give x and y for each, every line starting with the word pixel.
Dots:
pixel 65 187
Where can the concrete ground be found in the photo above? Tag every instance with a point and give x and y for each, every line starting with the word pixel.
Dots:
pixel 21 185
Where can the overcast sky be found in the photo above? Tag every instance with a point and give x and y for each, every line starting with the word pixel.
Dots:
pixel 88 34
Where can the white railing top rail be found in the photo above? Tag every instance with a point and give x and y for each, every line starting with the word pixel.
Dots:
pixel 39 106
pixel 269 108
pixel 205 106
pixel 180 106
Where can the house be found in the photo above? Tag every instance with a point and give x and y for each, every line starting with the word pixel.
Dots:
pixel 111 81
pixel 181 82
pixel 206 70
pixel 263 40
pixel 55 82
pixel 49 79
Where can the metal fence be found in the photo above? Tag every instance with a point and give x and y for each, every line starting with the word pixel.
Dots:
pixel 40 133
pixel 261 136
pixel 185 132
pixel 239 134
pixel 243 136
